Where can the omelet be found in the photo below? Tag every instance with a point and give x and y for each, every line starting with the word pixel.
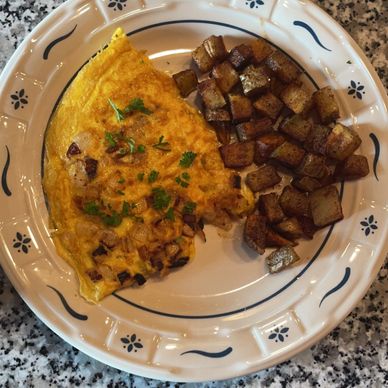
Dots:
pixel 132 173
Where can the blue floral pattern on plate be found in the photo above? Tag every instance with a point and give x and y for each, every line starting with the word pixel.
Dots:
pixel 356 89
pixel 131 343
pixel 369 225
pixel 19 99
pixel 279 334
pixel 254 3
pixel 22 243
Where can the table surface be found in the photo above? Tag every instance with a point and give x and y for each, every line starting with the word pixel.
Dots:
pixel 354 354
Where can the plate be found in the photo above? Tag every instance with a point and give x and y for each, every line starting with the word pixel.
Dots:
pixel 222 315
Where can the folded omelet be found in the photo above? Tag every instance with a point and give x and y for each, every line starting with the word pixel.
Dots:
pixel 131 173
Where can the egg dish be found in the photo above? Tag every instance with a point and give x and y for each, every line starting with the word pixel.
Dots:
pixel 131 174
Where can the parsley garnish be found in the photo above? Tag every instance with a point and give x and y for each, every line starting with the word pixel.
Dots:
pixel 121 180
pixel 141 148
pixel 136 104
pixel 92 209
pixel 186 176
pixel 160 198
pixel 110 138
pixel 162 145
pixel 140 176
pixel 131 143
pixel 181 182
pixel 170 214
pixel 189 207
pixel 153 176
pixel 187 159
pixel 114 219
pixel 120 192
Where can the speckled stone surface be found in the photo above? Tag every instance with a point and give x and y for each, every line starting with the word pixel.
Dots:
pixel 353 355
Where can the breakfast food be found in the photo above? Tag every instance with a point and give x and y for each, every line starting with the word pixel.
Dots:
pixel 131 173
pixel 264 116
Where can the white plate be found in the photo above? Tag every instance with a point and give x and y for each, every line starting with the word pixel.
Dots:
pixel 222 315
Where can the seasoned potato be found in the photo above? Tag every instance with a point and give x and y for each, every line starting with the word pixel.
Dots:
pixel 217 115
pixel 202 59
pixel 238 155
pixel 268 105
pixel 240 55
pixel 255 231
pixel 254 80
pixel 263 178
pixel 354 167
pixel 306 184
pixel 294 203
pixel 186 81
pixel 342 142
pixel 265 145
pixel 283 67
pixel 308 227
pixel 211 94
pixel 241 107
pixel 260 50
pixel 296 127
pixel 252 129
pixel 276 86
pixel 313 166
pixel 288 154
pixel 316 140
pixel 326 206
pixel 296 98
pixel 270 207
pixel 281 258
pixel 215 47
pixel 275 240
pixel 326 105
pixel 290 228
pixel 226 76
pixel 223 131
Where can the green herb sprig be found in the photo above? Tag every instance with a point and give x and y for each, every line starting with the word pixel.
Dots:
pixel 187 159
pixel 136 104
pixel 162 145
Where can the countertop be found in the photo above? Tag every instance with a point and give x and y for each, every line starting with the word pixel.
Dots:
pixel 352 355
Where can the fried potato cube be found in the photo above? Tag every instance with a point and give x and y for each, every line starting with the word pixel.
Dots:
pixel 268 105
pixel 342 142
pixel 202 59
pixel 217 115
pixel 254 80
pixel 241 107
pixel 306 184
pixel 240 55
pixel 283 67
pixel 296 127
pixel 281 258
pixel 215 47
pixel 354 167
pixel 290 228
pixel 261 49
pixel 294 203
pixel 226 76
pixel 326 104
pixel 289 154
pixel 308 227
pixel 276 86
pixel 316 140
pixel 269 206
pixel 223 131
pixel 313 166
pixel 238 155
pixel 275 240
pixel 326 206
pixel 255 231
pixel 263 178
pixel 186 81
pixel 296 98
pixel 265 145
pixel 252 129
pixel 211 95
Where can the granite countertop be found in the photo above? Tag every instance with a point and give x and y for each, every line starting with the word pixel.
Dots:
pixel 354 354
